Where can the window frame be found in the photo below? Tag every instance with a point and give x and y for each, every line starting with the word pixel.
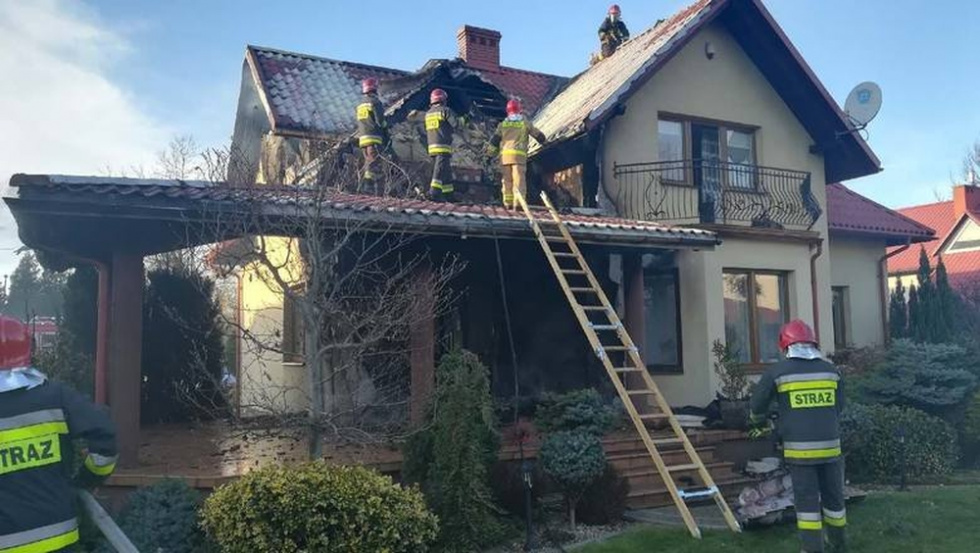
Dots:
pixel 687 137
pixel 754 364
pixel 659 368
pixel 292 327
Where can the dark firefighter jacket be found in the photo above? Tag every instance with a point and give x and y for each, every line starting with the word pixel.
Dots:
pixel 371 125
pixel 37 497
pixel 512 139
pixel 809 397
pixel 613 33
pixel 440 125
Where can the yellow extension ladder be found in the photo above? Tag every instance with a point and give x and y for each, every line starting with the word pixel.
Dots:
pixel 612 343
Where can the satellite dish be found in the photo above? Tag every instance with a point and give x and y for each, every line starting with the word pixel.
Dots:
pixel 863 103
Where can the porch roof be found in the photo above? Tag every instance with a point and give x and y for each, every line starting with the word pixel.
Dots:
pixel 86 215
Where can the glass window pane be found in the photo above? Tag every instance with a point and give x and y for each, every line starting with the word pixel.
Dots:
pixel 741 159
pixel 737 325
pixel 770 314
pixel 660 317
pixel 670 140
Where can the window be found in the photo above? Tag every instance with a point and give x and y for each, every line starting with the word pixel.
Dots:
pixel 756 307
pixel 662 320
pixel 841 309
pixel 670 141
pixel 293 337
pixel 712 146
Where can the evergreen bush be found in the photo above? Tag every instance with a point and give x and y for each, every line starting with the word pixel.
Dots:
pixel 581 410
pixel 163 518
pixel 182 347
pixel 936 378
pixel 318 507
pixel 573 460
pixel 452 457
pixel 970 433
pixel 872 438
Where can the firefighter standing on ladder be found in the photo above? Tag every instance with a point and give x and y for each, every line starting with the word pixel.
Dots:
pixel 372 133
pixel 511 140
pixel 809 395
pixel 39 421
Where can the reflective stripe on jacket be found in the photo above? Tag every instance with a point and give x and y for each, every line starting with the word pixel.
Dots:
pixel 371 124
pixel 808 393
pixel 512 137
pixel 37 429
pixel 439 130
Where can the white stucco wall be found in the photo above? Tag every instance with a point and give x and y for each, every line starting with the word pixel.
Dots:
pixel 727 88
pixel 703 310
pixel 267 384
pixel 854 263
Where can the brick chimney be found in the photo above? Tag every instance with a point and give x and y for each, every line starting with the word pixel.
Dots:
pixel 479 48
pixel 966 199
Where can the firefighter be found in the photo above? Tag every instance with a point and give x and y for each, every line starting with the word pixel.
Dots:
pixel 613 32
pixel 372 133
pixel 440 125
pixel 511 141
pixel 808 391
pixel 39 422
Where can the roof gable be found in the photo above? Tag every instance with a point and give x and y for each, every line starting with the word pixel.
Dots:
pixel 594 95
pixel 851 213
pixel 965 237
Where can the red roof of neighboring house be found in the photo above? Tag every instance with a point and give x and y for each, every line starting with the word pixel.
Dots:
pixel 850 212
pixel 963 268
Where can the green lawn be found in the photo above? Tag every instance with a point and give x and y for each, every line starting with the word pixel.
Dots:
pixel 937 520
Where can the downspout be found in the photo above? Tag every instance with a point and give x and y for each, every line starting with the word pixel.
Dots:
pixel 883 285
pixel 813 288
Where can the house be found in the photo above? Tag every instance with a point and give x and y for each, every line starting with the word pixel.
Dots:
pixel 709 120
pixel 693 166
pixel 957 241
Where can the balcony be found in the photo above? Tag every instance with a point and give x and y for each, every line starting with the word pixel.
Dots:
pixel 716 193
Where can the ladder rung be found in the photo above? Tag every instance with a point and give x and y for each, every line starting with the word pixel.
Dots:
pixel 668 441
pixel 590 289
pixel 681 468
pixel 616 348
pixel 627 369
pixel 640 392
pixel 595 308
pixel 697 493
pixel 573 271
pixel 604 327
pixel 564 254
pixel 654 416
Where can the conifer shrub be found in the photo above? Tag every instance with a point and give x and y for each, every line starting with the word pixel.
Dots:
pixel 318 507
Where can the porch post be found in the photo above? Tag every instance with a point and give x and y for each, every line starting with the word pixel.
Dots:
pixel 125 342
pixel 422 344
pixel 633 305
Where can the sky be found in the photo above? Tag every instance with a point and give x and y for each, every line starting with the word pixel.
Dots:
pixel 101 86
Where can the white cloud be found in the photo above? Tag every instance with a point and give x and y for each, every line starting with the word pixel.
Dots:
pixel 60 111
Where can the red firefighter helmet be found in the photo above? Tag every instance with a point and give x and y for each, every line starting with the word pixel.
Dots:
pixel 15 344
pixel 614 9
pixel 369 85
pixel 796 332
pixel 513 107
pixel 438 96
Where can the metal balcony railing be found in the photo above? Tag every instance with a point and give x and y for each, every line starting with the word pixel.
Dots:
pixel 696 191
